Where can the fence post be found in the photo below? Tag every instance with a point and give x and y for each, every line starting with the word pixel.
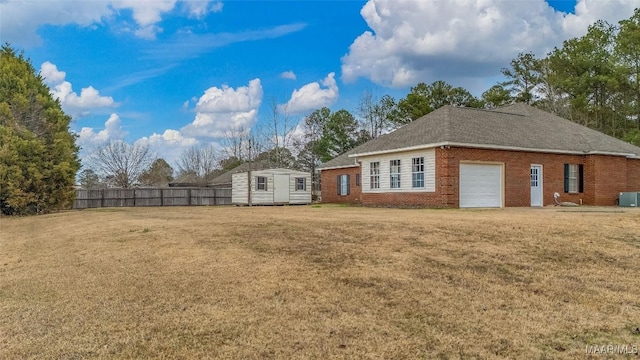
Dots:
pixel 161 197
pixel 101 198
pixel 189 194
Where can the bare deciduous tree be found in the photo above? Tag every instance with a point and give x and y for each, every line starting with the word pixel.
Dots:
pixel 199 160
pixel 375 114
pixel 121 162
pixel 279 136
pixel 233 142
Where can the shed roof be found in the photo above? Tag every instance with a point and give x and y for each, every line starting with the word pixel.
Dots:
pixel 225 178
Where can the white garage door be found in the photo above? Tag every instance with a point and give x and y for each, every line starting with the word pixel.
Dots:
pixel 480 185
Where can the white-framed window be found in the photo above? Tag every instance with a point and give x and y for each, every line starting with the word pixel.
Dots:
pixel 417 172
pixel 261 183
pixel 301 184
pixel 573 178
pixel 535 178
pixel 374 174
pixel 394 173
pixel 343 185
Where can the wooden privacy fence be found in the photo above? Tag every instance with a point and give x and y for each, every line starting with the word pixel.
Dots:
pixel 151 197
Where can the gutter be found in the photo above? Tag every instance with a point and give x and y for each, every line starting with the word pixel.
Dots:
pixel 494 147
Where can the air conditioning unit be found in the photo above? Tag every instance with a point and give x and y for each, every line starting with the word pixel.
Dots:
pixel 629 199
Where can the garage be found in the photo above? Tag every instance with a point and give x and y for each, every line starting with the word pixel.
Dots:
pixel 480 185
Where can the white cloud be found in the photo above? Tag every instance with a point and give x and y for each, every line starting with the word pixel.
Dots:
pixel 88 137
pixel 290 75
pixel 27 16
pixel 192 45
pixel 413 41
pixel 51 74
pixel 220 109
pixel 72 103
pixel 199 9
pixel 588 12
pixel 168 145
pixel 313 96
pixel 171 138
pixel 146 14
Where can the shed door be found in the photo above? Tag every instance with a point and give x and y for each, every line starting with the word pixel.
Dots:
pixel 480 185
pixel 280 188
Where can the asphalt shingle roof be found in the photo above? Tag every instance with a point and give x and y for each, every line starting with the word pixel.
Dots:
pixel 342 160
pixel 225 178
pixel 517 126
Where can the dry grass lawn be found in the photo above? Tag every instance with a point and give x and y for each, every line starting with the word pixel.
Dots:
pixel 318 282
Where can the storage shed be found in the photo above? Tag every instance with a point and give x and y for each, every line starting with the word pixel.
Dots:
pixel 271 187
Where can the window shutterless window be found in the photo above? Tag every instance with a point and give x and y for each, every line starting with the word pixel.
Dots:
pixel 394 171
pixel 374 175
pixel 573 178
pixel 357 179
pixel 343 185
pixel 261 183
pixel 417 172
pixel 301 184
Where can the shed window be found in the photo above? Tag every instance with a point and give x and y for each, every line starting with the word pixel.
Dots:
pixel 261 183
pixel 394 171
pixel 301 184
pixel 573 178
pixel 343 185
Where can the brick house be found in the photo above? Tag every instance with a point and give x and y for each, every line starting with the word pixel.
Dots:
pixel 461 157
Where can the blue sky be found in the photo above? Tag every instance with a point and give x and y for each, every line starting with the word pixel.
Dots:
pixel 177 74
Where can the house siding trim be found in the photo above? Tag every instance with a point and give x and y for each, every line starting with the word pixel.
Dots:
pixel 493 147
pixel 338 167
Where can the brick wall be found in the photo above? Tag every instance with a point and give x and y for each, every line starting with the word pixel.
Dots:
pixel 329 186
pixel 604 178
pixel 633 175
pixel 517 168
pixel 610 178
pixel 403 199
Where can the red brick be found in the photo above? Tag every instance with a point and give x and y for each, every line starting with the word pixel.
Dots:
pixel 329 186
